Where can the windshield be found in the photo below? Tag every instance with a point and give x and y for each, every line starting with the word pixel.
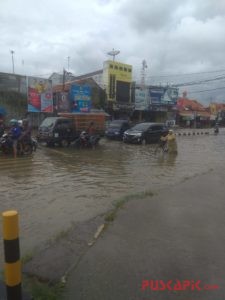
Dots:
pixel 48 122
pixel 115 125
pixel 141 126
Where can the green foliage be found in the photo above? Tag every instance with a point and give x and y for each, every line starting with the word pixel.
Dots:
pixel 110 216
pixel 43 291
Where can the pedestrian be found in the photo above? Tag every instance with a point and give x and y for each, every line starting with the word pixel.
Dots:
pixel 171 142
pixel 15 132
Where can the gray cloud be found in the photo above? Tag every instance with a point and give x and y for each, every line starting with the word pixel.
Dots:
pixel 173 36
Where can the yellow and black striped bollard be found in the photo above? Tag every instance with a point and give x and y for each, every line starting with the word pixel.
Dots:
pixel 12 255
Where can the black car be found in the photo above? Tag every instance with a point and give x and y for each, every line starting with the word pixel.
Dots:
pixel 116 129
pixel 144 133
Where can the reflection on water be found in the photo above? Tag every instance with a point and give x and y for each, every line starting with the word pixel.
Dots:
pixel 57 187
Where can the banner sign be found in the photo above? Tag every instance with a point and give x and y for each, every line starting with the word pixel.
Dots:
pixel 163 95
pixel 62 102
pixel 141 99
pixel 80 96
pixel 39 95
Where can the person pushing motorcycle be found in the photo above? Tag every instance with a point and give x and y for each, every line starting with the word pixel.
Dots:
pixel 15 133
pixel 25 134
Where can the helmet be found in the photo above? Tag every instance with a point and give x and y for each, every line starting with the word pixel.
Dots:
pixel 20 122
pixel 13 122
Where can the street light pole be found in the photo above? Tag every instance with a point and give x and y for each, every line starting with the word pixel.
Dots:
pixel 12 53
pixel 68 63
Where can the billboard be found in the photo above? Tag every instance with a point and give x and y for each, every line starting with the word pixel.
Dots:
pixel 40 97
pixel 141 99
pixel 62 103
pixel 80 97
pixel 163 95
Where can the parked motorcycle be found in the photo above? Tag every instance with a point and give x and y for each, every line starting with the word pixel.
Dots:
pixel 216 129
pixel 86 141
pixel 27 148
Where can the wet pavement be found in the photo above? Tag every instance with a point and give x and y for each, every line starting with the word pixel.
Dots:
pixel 57 188
pixel 166 247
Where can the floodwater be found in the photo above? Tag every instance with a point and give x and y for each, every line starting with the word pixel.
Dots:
pixel 56 188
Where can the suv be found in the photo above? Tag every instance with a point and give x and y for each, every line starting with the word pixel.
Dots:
pixel 145 133
pixel 116 129
pixel 57 130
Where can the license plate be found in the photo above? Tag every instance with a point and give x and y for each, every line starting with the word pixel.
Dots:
pixel 56 135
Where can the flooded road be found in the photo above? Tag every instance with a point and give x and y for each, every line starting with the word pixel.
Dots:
pixel 56 188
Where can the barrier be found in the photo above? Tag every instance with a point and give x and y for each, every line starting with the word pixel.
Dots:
pixel 12 255
pixel 185 133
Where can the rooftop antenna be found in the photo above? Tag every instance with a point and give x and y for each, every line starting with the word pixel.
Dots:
pixel 144 66
pixel 113 53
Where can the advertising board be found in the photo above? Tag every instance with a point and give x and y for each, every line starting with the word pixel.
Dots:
pixel 40 97
pixel 80 97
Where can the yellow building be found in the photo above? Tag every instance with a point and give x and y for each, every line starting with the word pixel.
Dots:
pixel 117 78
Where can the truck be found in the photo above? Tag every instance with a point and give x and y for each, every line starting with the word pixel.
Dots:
pixel 65 128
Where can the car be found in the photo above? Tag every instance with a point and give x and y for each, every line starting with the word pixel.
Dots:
pixel 116 129
pixel 145 133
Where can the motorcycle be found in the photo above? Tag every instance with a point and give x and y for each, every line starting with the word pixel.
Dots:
pixel 216 129
pixel 86 141
pixel 28 145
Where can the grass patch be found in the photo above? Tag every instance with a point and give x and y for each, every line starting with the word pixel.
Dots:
pixel 42 290
pixel 111 215
pixel 59 236
pixel 26 258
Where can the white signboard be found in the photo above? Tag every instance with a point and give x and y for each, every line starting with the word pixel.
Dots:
pixel 141 99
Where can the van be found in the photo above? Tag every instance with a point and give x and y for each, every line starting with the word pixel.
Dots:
pixel 57 130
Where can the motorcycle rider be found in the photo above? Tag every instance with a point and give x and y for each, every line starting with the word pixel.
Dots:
pixel 25 136
pixel 15 132
pixel 91 133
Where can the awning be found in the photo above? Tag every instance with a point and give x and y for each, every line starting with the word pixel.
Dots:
pixel 187 115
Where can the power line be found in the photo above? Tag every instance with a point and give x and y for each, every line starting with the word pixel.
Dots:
pixel 219 88
pixel 186 74
pixel 198 82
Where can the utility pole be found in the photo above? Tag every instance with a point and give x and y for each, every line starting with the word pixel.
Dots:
pixel 68 63
pixel 12 53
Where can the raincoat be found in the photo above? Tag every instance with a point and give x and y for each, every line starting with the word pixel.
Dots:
pixel 171 142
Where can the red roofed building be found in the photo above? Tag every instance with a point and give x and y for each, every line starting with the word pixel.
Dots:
pixel 191 113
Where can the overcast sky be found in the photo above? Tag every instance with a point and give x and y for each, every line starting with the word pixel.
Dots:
pixel 173 36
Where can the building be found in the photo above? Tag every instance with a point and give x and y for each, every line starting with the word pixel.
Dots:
pixel 154 103
pixel 191 113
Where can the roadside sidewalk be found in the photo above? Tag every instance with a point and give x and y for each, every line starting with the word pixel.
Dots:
pixel 176 235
